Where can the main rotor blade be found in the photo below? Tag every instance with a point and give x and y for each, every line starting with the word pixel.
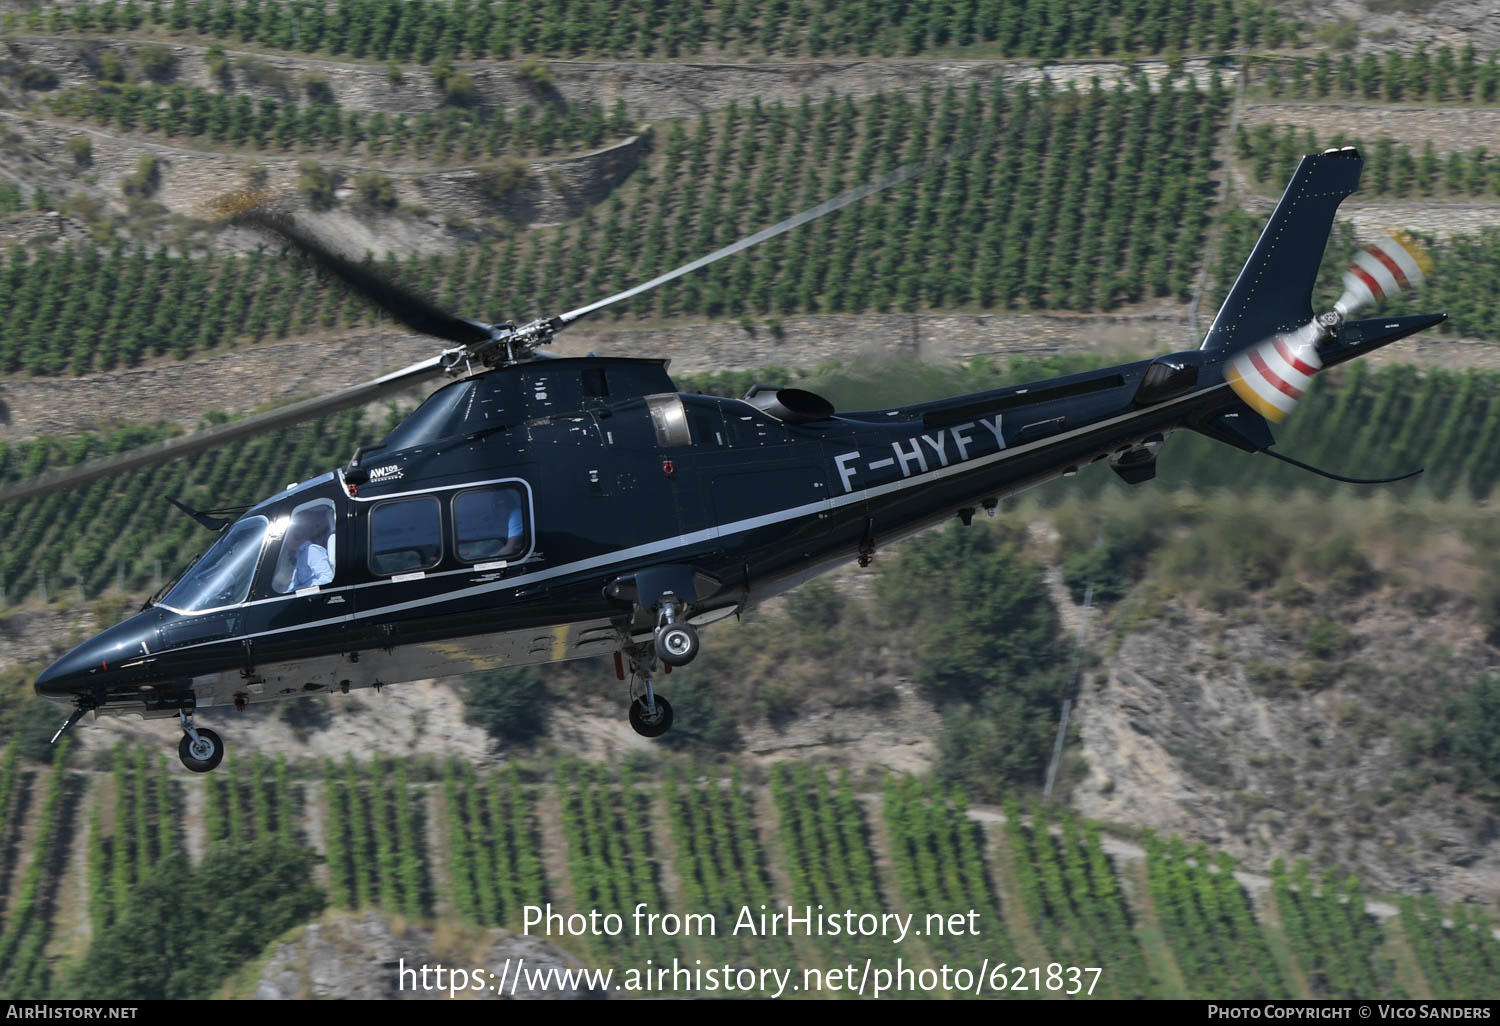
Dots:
pixel 293 413
pixel 838 202
pixel 406 307
pixel 421 316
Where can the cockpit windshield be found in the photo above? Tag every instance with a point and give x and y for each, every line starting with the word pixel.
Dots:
pixel 222 577
pixel 441 416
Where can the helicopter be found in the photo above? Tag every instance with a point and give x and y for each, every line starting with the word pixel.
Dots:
pixel 537 508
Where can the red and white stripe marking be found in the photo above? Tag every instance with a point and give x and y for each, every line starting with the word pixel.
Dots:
pixel 1273 376
pixel 1389 265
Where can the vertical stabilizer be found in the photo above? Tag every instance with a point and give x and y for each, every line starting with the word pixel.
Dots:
pixel 1273 293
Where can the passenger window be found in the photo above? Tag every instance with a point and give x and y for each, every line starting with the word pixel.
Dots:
pixel 308 548
pixel 406 535
pixel 491 523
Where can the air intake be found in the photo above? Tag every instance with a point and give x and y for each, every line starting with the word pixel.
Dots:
pixel 789 405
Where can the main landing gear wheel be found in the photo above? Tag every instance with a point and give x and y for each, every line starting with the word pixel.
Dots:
pixel 648 722
pixel 205 752
pixel 677 644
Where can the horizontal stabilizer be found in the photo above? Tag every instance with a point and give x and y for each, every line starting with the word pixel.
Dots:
pixel 1357 338
pixel 1242 428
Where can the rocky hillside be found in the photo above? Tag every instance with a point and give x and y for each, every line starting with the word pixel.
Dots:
pixel 360 957
pixel 1197 725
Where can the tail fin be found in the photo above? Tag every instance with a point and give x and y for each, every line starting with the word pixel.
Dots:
pixel 1273 292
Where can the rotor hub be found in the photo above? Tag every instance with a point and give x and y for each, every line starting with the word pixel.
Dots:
pixel 507 344
pixel 1331 322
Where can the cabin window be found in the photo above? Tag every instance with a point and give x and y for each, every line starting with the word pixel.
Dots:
pixel 406 535
pixel 222 577
pixel 491 523
pixel 308 548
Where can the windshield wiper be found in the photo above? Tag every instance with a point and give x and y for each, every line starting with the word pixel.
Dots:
pixel 159 592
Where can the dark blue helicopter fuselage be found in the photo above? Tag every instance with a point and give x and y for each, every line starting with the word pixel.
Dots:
pixel 628 483
pixel 621 474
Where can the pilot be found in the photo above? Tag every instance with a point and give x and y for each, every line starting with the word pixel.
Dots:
pixel 308 538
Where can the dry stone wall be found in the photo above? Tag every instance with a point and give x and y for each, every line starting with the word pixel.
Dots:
pixel 1448 128
pixel 443 201
pixel 652 91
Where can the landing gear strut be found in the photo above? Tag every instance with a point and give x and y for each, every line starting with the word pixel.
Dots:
pixel 650 713
pixel 200 748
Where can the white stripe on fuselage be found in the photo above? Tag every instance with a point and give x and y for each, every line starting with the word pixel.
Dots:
pixel 713 533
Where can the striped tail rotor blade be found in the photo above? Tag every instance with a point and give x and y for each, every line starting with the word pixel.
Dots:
pixel 1272 376
pixel 1388 266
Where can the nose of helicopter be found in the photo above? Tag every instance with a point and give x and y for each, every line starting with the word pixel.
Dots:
pixel 67 677
pixel 82 670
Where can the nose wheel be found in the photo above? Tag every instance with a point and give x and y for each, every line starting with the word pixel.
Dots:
pixel 200 748
pixel 676 640
pixel 677 644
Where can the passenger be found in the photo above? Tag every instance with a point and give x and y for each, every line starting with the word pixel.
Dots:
pixel 480 516
pixel 515 531
pixel 308 538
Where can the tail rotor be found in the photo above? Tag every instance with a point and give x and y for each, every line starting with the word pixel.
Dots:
pixel 1392 264
pixel 1273 375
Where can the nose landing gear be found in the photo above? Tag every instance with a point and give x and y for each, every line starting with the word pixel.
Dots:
pixel 200 748
pixel 676 641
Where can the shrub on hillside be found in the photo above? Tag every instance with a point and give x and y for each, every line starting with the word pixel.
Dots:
pixel 157 62
pixel 1341 567
pixel 34 727
pixel 499 181
pixel 511 705
pixel 535 75
pixel 457 86
pixel 144 180
pixel 110 68
pixel 223 911
pixel 374 191
pixel 217 62
pixel 81 149
pixel 36 76
pixel 988 648
pixel 316 86
pixel 261 72
pixel 1476 737
pixel 315 184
